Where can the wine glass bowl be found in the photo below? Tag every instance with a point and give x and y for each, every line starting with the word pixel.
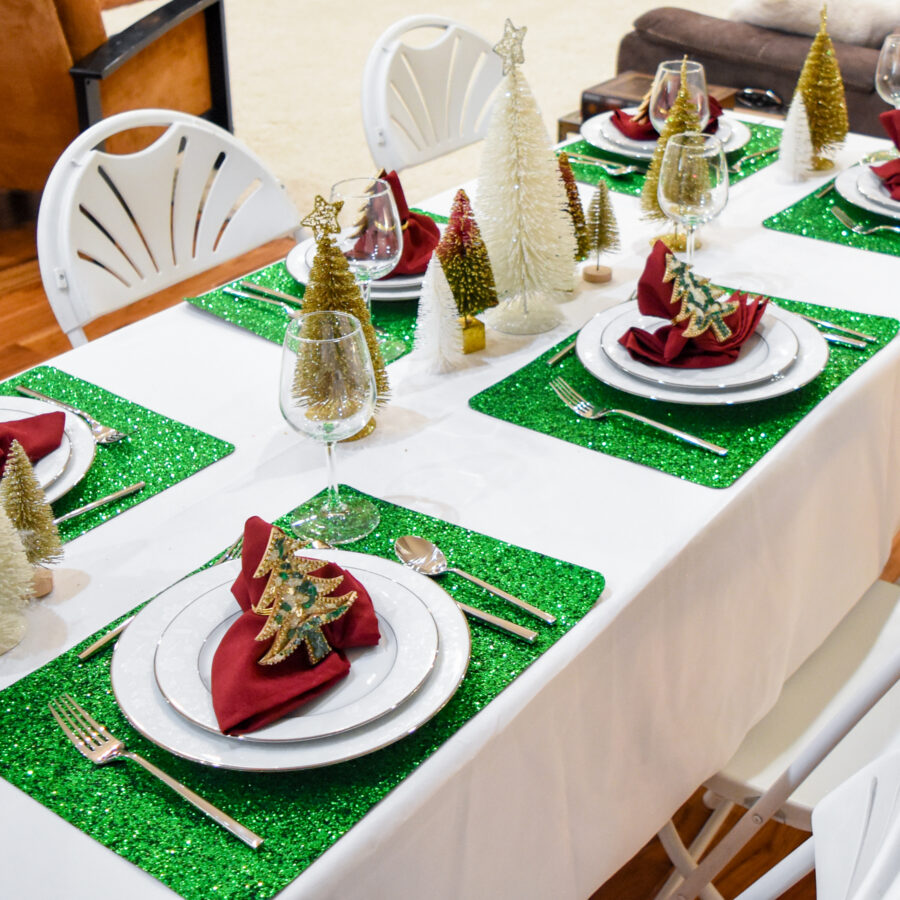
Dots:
pixel 666 85
pixel 327 392
pixel 887 71
pixel 371 239
pixel 693 181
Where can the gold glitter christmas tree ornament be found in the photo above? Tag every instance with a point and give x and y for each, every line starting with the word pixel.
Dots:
pixel 296 603
pixel 822 88
pixel 699 301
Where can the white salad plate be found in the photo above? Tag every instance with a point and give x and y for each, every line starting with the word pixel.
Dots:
pixel 59 471
pixel 811 359
pixel 600 131
pixel 401 287
pixel 769 351
pixel 148 711
pixel 848 185
pixel 872 188
pixel 380 678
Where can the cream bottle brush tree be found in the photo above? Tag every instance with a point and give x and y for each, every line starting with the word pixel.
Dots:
pixel 521 206
pixel 15 584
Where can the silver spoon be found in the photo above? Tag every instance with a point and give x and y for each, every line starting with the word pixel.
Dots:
pixel 427 558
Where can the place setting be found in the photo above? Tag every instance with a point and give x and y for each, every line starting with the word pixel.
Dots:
pixel 95 454
pixel 618 145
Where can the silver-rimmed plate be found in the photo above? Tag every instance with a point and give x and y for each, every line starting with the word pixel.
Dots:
pixel 767 353
pixel 811 359
pixel 873 188
pixel 146 709
pixel 380 678
pixel 847 185
pixel 61 470
pixel 599 131
pixel 400 287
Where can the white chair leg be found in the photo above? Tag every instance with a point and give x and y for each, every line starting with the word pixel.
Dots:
pixel 685 859
pixel 784 875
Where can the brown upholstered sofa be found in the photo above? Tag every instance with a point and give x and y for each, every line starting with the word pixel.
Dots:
pixel 742 55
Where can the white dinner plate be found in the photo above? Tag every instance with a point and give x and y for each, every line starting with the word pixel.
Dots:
pixel 811 359
pixel 146 708
pixel 769 351
pixel 401 287
pixel 61 470
pixel 847 185
pixel 598 130
pixel 380 677
pixel 872 188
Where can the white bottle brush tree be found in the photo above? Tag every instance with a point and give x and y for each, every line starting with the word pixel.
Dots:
pixel 15 584
pixel 438 344
pixel 521 206
pixel 795 153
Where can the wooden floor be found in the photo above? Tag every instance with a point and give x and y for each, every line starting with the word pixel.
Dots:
pixel 29 335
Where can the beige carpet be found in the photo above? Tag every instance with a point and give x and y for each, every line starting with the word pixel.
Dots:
pixel 296 68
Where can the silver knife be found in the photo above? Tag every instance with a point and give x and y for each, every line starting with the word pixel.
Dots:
pixel 274 293
pixel 118 495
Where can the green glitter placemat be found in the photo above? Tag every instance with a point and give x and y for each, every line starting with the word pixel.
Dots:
pixel 158 450
pixel 747 430
pixel 300 814
pixel 761 138
pixel 397 318
pixel 812 217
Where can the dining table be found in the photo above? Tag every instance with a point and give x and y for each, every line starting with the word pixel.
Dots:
pixel 708 595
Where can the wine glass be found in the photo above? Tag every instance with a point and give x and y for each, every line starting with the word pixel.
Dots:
pixel 887 72
pixel 693 181
pixel 665 89
pixel 371 239
pixel 327 391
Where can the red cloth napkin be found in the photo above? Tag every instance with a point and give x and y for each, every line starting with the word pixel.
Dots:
pixel 667 346
pixel 420 233
pixel 246 696
pixel 644 131
pixel 889 173
pixel 38 435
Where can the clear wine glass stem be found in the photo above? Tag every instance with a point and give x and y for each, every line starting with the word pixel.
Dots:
pixel 364 286
pixel 333 501
pixel 690 244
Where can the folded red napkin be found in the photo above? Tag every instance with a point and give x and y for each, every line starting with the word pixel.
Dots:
pixel 889 173
pixel 246 695
pixel 420 233
pixel 668 345
pixel 644 131
pixel 38 435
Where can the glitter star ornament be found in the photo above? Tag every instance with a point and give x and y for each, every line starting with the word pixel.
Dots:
pixel 323 219
pixel 699 301
pixel 509 47
pixel 296 603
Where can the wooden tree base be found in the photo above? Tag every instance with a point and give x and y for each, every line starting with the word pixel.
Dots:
pixel 42 582
pixel 596 274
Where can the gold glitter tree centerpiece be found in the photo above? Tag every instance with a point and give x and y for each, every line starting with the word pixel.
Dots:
pixel 822 89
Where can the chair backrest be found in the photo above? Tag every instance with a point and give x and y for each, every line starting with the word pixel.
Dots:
pixel 422 102
pixel 113 229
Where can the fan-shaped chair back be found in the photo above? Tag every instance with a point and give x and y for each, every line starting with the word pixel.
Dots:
pixel 113 229
pixel 422 102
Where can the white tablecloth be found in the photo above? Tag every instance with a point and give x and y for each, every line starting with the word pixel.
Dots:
pixel 713 596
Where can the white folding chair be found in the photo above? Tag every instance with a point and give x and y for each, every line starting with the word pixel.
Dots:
pixel 422 102
pixel 836 714
pixel 855 845
pixel 115 228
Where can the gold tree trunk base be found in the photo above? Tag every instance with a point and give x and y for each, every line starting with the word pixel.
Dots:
pixel 473 338
pixel 596 274
pixel 364 432
pixel 822 163
pixel 42 582
pixel 676 241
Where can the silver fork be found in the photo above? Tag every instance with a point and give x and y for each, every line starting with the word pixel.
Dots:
pixel 95 743
pixel 103 434
pixel 584 408
pixel 856 228
pixel 232 551
pixel 735 168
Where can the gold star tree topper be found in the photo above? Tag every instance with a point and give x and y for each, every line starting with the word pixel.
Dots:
pixel 509 47
pixel 323 219
pixel 297 604
pixel 699 301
